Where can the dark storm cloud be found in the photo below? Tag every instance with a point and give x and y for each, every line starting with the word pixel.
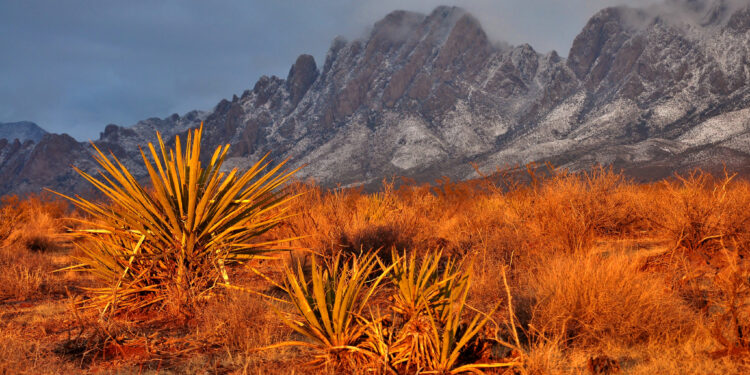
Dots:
pixel 75 66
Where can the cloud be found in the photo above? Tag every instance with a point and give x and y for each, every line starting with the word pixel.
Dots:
pixel 544 24
pixel 77 65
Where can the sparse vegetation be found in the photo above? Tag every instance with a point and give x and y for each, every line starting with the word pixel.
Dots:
pixel 590 299
pixel 557 273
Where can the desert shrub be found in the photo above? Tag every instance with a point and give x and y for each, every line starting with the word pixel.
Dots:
pixel 547 357
pixel 240 321
pixel 612 202
pixel 568 211
pixel 730 298
pixel 552 212
pixel 39 232
pixel 35 223
pixel 349 221
pixel 590 299
pixel 169 245
pixel 377 223
pixel 19 280
pixel 699 211
pixel 560 212
pixel 10 215
pixel 31 232
pixel 22 354
pixel 707 223
pixel 719 289
pixel 26 274
pixel 487 224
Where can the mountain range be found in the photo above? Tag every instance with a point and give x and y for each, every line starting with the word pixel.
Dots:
pixel 651 91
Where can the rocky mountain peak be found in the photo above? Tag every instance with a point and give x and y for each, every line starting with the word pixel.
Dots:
pixel 697 14
pixel 651 90
pixel 466 44
pixel 21 130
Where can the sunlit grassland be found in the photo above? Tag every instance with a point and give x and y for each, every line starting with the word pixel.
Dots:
pixel 532 272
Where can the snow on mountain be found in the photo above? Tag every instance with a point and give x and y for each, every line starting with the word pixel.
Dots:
pixel 652 91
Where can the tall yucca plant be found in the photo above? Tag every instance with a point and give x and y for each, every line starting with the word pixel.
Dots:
pixel 171 242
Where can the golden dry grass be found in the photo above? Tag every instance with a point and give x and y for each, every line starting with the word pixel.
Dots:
pixel 32 245
pixel 654 277
pixel 590 299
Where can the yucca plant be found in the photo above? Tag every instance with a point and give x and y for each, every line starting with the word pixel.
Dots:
pixel 452 342
pixel 432 336
pixel 171 242
pixel 421 290
pixel 421 286
pixel 423 300
pixel 379 336
pixel 329 310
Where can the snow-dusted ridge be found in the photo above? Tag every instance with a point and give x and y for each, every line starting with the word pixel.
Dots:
pixel 649 90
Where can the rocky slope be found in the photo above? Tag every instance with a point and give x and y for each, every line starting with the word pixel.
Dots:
pixel 649 90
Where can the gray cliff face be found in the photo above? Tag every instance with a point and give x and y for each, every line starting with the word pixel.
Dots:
pixel 425 95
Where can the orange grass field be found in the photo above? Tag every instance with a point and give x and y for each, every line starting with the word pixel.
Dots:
pixel 585 273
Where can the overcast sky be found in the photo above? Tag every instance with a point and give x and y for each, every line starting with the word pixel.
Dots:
pixel 76 66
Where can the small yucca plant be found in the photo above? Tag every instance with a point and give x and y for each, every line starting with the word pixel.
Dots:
pixel 449 344
pixel 432 337
pixel 453 340
pixel 329 310
pixel 421 286
pixel 421 291
pixel 170 242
